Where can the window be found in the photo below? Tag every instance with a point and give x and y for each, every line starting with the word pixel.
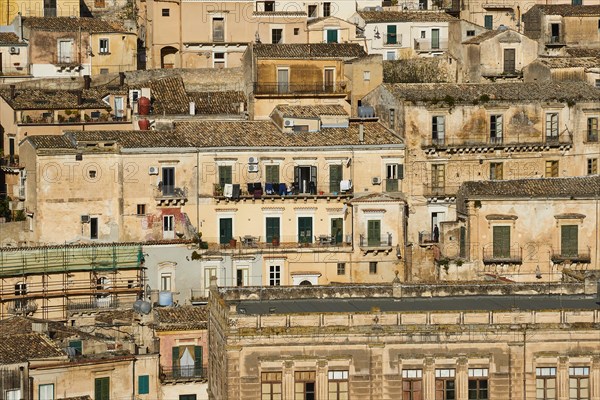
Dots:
pixel 272 229
pixel 102 389
pixel 478 384
pixel 331 35
pixel 438 130
pixel 141 209
pixel 225 230
pixel 64 51
pixel 435 39
pixel 592 129
pixel 510 62
pixel 274 275
pixel 390 37
pixel 312 11
pixel 218 29
pixel 338 385
pixel 423 34
pixel 328 80
pixel 187 361
pixel 372 267
pixel 296 31
pixel 579 383
pixel 305 179
pixel 438 176
pixel 326 9
pixel 393 172
pixel 46 392
pixel 305 229
pixel 103 46
pixel 341 268
pixel 445 385
pixel 219 60
pixel 165 12
pixel 187 397
pixel 271 386
pixel 390 55
pixel 102 286
pixel 569 240
pixel 551 127
pixel 165 282
pixel 14 394
pixel 77 346
pixel 598 80
pixel 592 166
pixel 94 228
pixel 304 385
pixel 470 33
pixel 225 175
pixel 373 232
pixel 496 129
pixel 269 6
pixel 168 227
pixel 496 171
pixel 335 177
pixel 545 383
pixel 167 185
pixel 144 384
pixel 554 33
pixel 552 169
pixel 501 241
pixel 488 22
pixel 103 71
pixel 576 2
pixel 276 36
pixel 272 174
pixel 337 231
pixel 366 75
pixel 412 384
pixel 241 277
pixel 392 118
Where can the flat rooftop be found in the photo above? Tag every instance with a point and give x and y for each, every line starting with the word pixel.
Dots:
pixel 462 303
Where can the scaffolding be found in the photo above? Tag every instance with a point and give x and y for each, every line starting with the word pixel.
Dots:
pixel 51 282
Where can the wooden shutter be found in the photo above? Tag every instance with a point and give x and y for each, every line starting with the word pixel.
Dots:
pixel 143 384
pixel 197 360
pixel 391 34
pixel 175 359
pixel 335 176
pixel 272 228
pixel 374 232
pixel 568 240
pixel 102 389
pixel 400 171
pixel 501 243
pixel 509 61
pixel 272 173
pixel 313 178
pixel 224 175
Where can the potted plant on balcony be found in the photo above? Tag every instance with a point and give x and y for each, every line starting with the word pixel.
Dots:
pixel 232 243
pixel 275 241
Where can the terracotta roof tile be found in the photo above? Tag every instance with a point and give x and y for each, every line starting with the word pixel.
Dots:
pixel 279 13
pixel 583 52
pixel 39 99
pixel 9 38
pixel 483 36
pixel 310 111
pixel 508 92
pixel 569 62
pixel 86 397
pixel 566 10
pixel 405 16
pixel 310 51
pixel 180 318
pixel 17 348
pixel 169 96
pixel 68 24
pixel 588 186
pixel 215 103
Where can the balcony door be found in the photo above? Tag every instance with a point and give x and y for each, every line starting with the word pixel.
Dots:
pixel 168 181
pixel 225 230
pixel 283 80
pixel 337 230
pixel 64 51
pixel 568 241
pixel 329 80
pixel 501 241
pixel 435 39
pixel 374 232
pixel 305 230
pixel 509 61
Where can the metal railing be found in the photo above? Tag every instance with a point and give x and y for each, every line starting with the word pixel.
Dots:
pixel 182 373
pixel 384 240
pixel 426 237
pixel 498 255
pixel 22 307
pixel 171 191
pixel 392 185
pixel 429 45
pixel 581 255
pixel 284 88
pixel 439 189
pixel 103 303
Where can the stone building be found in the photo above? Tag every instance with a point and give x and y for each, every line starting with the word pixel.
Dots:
pixel 474 341
pixel 14 63
pixel 472 132
pixel 584 69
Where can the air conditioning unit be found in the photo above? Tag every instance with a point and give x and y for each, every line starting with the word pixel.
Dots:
pixel 153 171
pixel 376 180
pixel 345 185
pixel 85 219
pixel 252 160
pixel 15 50
pixel 288 123
pixel 252 167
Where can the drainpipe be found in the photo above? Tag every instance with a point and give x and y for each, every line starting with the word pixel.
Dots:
pixel 133 378
pixel 197 192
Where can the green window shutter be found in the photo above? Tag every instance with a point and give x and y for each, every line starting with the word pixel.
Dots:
pixel 143 384
pixel 374 232
pixel 175 354
pixel 224 175
pixel 332 36
pixel 501 237
pixel 77 345
pixel 304 229
pixel 337 230
pixel 568 240
pixel 400 171
pixel 102 389
pixel 197 360
pixel 335 177
pixel 391 34
pixel 272 228
pixel 272 173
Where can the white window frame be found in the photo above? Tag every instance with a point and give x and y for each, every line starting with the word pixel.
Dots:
pixel 12 394
pixel 169 232
pixel 103 49
pixel 277 271
pixel 44 396
pixel 219 60
pixel 166 281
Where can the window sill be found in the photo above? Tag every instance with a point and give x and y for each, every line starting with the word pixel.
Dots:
pixel 104 53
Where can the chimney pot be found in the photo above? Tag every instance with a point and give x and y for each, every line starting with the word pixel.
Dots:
pixel 121 79
pixel 361 133
pixel 12 92
pixel 87 81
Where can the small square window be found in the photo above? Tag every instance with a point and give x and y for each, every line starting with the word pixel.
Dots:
pixel 219 56
pixel 103 46
pixel 341 268
pixel 165 12
pixel 470 33
pixel 92 174
pixel 296 31
pixel 552 169
pixel 592 166
pixel 373 267
pixel 103 71
pixel 141 209
pixel 598 83
pixel 367 75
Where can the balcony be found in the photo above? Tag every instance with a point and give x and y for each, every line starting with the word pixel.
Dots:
pixel 555 41
pixel 512 255
pixel 392 185
pixel 182 374
pixel 484 144
pixel 170 196
pixel 22 307
pixel 578 256
pixel 427 239
pixel 382 243
pixel 440 190
pixel 259 191
pixel 100 303
pixel 10 162
pixel 199 296
pixel 287 89
pixel 428 45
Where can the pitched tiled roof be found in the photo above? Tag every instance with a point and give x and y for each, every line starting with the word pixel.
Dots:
pixel 405 16
pixel 279 13
pixel 583 52
pixel 38 99
pixel 310 111
pixel 180 318
pixel 17 324
pixel 86 397
pixel 567 10
pixel 9 38
pixel 213 103
pixel 68 24
pixel 378 198
pixel 169 96
pixel 483 36
pixel 234 134
pixel 310 51
pixel 114 316
pixel 569 62
pixel 588 186
pixel 18 348
pixel 474 92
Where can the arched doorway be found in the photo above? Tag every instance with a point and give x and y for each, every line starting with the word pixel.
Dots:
pixel 168 57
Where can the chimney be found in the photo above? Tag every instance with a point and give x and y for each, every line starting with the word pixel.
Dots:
pixel 87 81
pixel 12 92
pixel 192 108
pixel 121 79
pixel 79 98
pixel 361 133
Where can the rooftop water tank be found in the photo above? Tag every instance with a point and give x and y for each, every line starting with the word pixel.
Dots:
pixel 366 112
pixel 165 299
pixel 144 106
pixel 142 307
